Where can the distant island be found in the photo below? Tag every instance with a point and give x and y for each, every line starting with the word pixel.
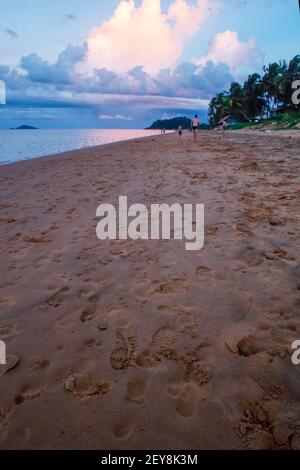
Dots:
pixel 23 128
pixel 174 123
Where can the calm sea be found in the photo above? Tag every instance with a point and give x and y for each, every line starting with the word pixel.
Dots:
pixel 16 145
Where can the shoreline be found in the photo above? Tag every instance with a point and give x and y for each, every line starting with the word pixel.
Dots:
pixel 281 133
pixel 101 329
pixel 81 149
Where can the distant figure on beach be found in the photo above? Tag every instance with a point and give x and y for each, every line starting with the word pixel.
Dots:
pixel 195 125
pixel 180 130
pixel 222 123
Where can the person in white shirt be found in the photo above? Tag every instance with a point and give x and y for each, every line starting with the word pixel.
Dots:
pixel 195 125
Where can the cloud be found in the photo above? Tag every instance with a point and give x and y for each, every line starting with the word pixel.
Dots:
pixel 144 35
pixel 186 87
pixel 190 80
pixel 186 17
pixel 11 33
pixel 240 56
pixel 116 117
pixel 120 117
pixel 127 69
pixel 39 70
pixel 187 80
pixel 105 117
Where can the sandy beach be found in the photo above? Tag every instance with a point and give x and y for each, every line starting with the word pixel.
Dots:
pixel 142 344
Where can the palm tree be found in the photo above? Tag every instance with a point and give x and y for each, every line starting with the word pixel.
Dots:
pixel 236 102
pixel 253 92
pixel 218 108
pixel 259 96
pixel 274 74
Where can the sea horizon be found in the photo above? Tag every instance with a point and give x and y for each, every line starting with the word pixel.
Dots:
pixel 18 145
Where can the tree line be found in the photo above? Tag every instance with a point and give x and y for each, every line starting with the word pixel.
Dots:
pixel 174 123
pixel 260 95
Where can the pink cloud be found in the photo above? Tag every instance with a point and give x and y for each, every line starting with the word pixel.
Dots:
pixel 144 35
pixel 240 56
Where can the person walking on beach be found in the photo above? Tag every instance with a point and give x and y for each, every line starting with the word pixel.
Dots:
pixel 222 124
pixel 195 125
pixel 180 130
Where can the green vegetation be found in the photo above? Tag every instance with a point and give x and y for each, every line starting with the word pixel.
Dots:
pixel 171 124
pixel 260 97
pixel 281 122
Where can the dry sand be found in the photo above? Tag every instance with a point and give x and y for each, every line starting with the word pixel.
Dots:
pixel 143 345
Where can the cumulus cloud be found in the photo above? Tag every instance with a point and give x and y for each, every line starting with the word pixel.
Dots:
pixel 186 86
pixel 187 80
pixel 39 70
pixel 128 66
pixel 144 35
pixel 190 80
pixel 240 56
pixel 187 17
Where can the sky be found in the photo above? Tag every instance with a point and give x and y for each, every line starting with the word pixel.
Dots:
pixel 126 63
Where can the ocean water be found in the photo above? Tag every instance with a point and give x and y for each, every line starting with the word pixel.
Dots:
pixel 17 145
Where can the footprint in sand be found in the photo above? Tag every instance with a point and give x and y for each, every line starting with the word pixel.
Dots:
pixel 203 270
pixel 136 390
pixel 117 252
pixel 87 387
pixel 28 392
pixel 93 305
pixel 123 430
pixel 162 346
pixel 145 359
pixel 56 299
pixel 200 372
pixel 116 310
pixel 11 363
pixel 88 313
pixel 185 397
pixel 123 355
pixel 39 363
pixel 249 346
pixel 190 322
pixel 177 286
pixel 263 326
pixel 165 339
pixel 6 330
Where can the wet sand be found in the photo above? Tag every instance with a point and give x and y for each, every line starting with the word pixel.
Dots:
pixel 141 344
